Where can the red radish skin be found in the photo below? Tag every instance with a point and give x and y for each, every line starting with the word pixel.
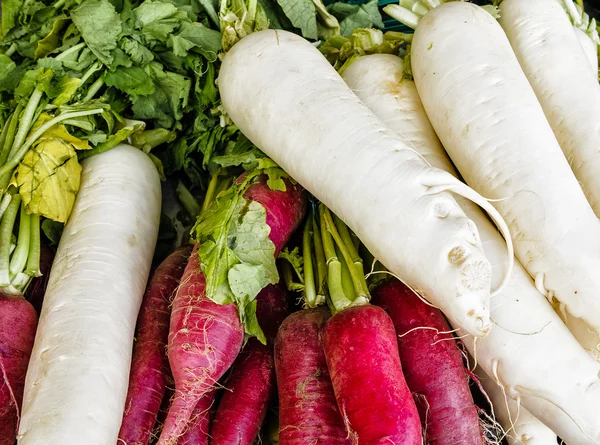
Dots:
pixel 149 367
pixel 198 431
pixel 251 383
pixel 206 337
pixel 433 367
pixel 363 361
pixel 308 413
pixel 18 323
pixel 246 397
pixel 272 306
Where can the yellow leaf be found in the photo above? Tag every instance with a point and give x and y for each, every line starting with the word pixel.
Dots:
pixel 48 179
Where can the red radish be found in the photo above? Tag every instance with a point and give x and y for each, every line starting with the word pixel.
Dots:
pixel 363 361
pixel 199 426
pixel 433 367
pixel 308 413
pixel 246 397
pixel 251 383
pixel 272 307
pixel 18 322
pixel 148 376
pixel 205 337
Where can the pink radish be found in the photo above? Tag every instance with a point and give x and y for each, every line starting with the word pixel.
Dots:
pixel 308 413
pixel 433 367
pixel 148 377
pixel 18 322
pixel 363 361
pixel 205 337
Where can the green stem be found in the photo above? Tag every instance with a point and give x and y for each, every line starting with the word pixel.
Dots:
pixel 90 72
pixel 14 160
pixel 59 4
pixel 353 259
pixel 4 204
pixel 287 274
pixel 357 278
pixel 70 51
pixel 3 149
pixel 25 122
pixel 403 15
pixel 94 88
pixel 11 50
pixel 430 4
pixel 310 293
pixel 338 298
pixel 319 257
pixel 6 231
pixel 19 257
pixel 35 249
pixel 149 139
pixel 210 191
pixel 190 204
pixel 223 185
pixel 347 282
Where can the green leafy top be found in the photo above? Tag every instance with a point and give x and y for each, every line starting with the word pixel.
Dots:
pixel 236 255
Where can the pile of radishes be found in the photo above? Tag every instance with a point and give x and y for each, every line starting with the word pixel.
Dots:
pixel 417 260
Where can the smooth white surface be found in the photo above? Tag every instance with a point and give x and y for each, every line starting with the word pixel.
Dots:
pixel 494 129
pixel 530 351
pixel 288 100
pixel 78 375
pixel 557 68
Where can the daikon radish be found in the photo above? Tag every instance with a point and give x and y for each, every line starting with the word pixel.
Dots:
pixel 287 99
pixel 556 66
pixel 494 129
pixel 529 351
pixel 78 375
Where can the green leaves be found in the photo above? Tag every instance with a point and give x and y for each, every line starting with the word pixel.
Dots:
pixel 198 37
pixel 236 254
pixel 302 14
pixel 133 80
pixel 100 26
pixel 357 16
pixel 49 174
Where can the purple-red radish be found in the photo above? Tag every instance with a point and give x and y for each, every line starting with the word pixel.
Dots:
pixel 433 367
pixel 308 413
pixel 246 397
pixel 148 376
pixel 205 337
pixel 371 392
pixel 18 322
pixel 272 306
pixel 198 430
pixel 251 383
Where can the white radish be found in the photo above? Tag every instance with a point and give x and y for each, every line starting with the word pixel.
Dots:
pixel 79 370
pixel 589 48
pixel 490 122
pixel 288 100
pixel 556 65
pixel 529 352
pixel 521 427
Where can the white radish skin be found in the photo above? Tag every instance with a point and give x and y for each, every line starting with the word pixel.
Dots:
pixel 288 100
pixel 530 351
pixel 490 122
pixel 78 374
pixel 589 48
pixel 556 65
pixel 521 427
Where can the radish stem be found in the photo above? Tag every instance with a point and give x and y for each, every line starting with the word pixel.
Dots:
pixel 33 258
pixel 94 88
pixel 6 230
pixel 190 204
pixel 19 257
pixel 310 293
